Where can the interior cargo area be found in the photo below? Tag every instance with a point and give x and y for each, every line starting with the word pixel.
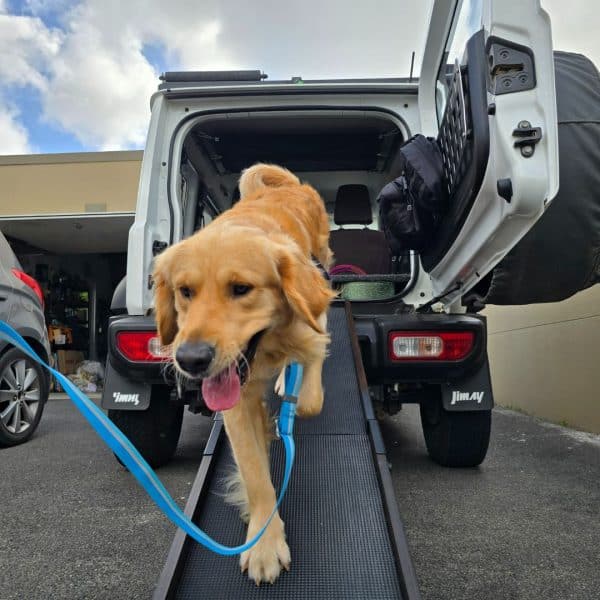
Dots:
pixel 348 156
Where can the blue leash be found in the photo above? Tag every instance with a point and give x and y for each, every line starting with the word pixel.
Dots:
pixel 142 471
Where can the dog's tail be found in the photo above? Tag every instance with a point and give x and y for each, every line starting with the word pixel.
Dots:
pixel 262 175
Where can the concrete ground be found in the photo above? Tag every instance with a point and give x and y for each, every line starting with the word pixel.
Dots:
pixel 526 524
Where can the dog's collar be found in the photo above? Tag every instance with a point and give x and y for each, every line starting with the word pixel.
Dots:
pixel 249 354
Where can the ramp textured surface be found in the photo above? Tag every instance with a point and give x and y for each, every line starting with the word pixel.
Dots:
pixel 333 510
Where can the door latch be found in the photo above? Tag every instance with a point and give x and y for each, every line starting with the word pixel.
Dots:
pixel 158 247
pixel 511 67
pixel 527 137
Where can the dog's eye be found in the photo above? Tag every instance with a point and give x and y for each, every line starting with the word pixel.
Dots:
pixel 186 292
pixel 240 289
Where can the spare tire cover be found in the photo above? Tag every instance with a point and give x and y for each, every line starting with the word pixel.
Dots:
pixel 560 255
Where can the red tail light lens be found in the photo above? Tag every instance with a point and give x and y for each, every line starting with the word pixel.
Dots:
pixel 31 282
pixel 430 345
pixel 142 346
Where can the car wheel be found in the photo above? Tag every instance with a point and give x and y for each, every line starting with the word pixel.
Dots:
pixel 154 431
pixel 24 390
pixel 455 439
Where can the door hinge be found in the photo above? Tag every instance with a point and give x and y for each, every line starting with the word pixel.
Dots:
pixel 527 137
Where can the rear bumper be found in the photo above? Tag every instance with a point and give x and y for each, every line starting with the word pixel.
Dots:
pixel 373 330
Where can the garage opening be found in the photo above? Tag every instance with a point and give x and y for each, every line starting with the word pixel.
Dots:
pixel 77 261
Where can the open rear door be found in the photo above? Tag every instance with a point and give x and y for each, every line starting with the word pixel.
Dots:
pixel 487 93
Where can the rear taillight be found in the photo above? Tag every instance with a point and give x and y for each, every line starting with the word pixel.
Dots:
pixel 430 345
pixel 31 282
pixel 142 346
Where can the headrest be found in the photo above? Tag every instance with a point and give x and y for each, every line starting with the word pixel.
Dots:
pixel 352 205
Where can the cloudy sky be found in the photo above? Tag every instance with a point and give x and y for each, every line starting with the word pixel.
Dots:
pixel 76 75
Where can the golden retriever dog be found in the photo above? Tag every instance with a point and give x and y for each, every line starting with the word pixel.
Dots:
pixel 239 300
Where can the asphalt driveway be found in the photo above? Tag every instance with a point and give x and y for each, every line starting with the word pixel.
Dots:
pixel 524 525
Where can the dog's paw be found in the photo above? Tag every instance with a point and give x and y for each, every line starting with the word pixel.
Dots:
pixel 265 560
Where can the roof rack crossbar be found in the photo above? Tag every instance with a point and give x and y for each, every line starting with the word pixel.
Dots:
pixel 196 76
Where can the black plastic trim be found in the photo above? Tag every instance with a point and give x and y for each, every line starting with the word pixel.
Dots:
pixel 465 193
pixel 118 303
pixel 183 91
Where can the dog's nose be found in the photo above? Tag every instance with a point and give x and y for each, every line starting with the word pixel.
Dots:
pixel 195 357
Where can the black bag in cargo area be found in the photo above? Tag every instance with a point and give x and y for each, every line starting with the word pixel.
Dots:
pixel 411 206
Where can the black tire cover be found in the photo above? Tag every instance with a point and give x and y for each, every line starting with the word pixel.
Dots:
pixel 560 255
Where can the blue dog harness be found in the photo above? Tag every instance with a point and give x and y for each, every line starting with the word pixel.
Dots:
pixel 142 471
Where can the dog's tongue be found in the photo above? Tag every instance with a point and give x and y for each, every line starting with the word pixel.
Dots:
pixel 222 391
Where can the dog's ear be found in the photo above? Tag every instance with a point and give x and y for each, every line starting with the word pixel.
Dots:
pixel 305 289
pixel 164 298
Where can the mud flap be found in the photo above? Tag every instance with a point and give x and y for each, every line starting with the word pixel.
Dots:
pixel 471 393
pixel 121 393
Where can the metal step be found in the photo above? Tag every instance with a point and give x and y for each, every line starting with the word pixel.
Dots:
pixel 342 524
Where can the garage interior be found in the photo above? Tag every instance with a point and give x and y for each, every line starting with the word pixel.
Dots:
pixel 67 218
pixel 78 261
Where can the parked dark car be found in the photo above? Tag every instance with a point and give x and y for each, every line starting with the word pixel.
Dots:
pixel 24 384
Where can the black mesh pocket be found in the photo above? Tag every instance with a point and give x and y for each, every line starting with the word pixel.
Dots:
pixel 454 138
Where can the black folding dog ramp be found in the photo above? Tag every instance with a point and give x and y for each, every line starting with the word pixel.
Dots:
pixel 340 513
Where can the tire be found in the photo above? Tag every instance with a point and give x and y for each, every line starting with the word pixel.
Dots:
pixel 455 439
pixel 24 389
pixel 154 431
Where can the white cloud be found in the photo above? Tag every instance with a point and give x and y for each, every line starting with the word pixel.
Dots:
pixel 44 7
pixel 13 136
pixel 27 47
pixel 100 83
pixel 95 81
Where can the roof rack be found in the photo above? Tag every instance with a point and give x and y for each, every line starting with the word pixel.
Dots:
pixel 197 76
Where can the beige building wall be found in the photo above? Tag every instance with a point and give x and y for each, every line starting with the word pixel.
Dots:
pixel 65 184
pixel 545 359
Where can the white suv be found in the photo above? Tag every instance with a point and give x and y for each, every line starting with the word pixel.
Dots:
pixel 486 92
